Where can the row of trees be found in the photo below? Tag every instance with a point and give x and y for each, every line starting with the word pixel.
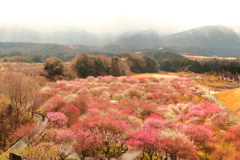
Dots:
pixel 233 69
pixel 177 65
pixel 22 59
pixel 85 65
pixel 167 61
pixel 222 65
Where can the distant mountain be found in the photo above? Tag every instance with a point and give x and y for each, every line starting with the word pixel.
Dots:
pixel 67 37
pixel 213 37
pixel 18 34
pixel 70 37
pixel 139 38
pixel 218 36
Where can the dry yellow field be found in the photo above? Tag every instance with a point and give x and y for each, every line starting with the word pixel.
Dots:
pixel 230 99
pixel 204 57
pixel 155 75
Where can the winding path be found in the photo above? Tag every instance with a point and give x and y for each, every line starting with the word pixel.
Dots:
pixel 75 155
pixel 40 125
pixel 214 99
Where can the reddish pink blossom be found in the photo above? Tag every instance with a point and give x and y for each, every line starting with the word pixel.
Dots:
pixel 189 95
pixel 157 95
pixel 200 134
pixel 179 147
pixel 65 88
pixel 203 110
pixel 87 141
pixel 54 104
pixel 156 116
pixel 124 125
pixel 153 123
pixel 71 112
pixel 144 140
pixel 23 130
pixel 58 118
pixel 93 111
pixel 65 136
pixel 128 111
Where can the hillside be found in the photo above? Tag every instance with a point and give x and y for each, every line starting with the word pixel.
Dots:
pixel 203 41
pixel 159 56
pixel 67 37
pixel 18 34
pixel 45 48
pixel 139 38
pixel 70 37
pixel 218 36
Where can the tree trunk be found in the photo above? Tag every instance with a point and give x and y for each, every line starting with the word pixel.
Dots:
pixel 150 156
pixel 107 151
pixel 82 157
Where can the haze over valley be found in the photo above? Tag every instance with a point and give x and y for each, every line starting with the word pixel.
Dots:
pixel 211 40
pixel 214 36
pixel 197 28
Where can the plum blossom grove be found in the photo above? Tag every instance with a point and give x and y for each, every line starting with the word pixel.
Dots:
pixel 161 118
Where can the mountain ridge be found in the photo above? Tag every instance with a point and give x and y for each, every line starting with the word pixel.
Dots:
pixel 217 36
pixel 138 37
pixel 212 36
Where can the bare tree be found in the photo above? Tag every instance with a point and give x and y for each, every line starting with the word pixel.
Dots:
pixel 19 90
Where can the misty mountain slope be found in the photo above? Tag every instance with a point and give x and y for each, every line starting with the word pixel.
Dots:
pixel 52 49
pixel 18 34
pixel 139 37
pixel 67 36
pixel 71 37
pixel 208 36
pixel 235 29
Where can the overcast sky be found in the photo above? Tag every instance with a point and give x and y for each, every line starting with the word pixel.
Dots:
pixel 116 16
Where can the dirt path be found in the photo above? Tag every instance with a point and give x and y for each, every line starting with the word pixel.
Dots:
pixel 40 124
pixel 214 99
pixel 75 155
